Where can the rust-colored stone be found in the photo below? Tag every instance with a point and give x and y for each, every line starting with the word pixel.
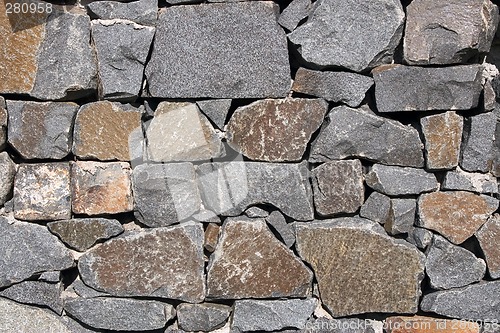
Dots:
pixel 421 324
pixel 211 236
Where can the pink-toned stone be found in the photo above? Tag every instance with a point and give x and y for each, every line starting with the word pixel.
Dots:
pixel 211 236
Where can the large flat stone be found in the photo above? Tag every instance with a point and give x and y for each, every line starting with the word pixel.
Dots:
pixel 275 130
pixel 401 216
pixel 295 12
pixel 478 142
pixel 359 268
pixel 202 317
pixel 489 237
pixel 355 133
pixel 7 174
pixel 142 12
pixel 228 188
pixel 421 324
pixel 470 181
pixel 400 88
pixel 153 269
pixel 249 262
pixel 36 293
pixel 199 51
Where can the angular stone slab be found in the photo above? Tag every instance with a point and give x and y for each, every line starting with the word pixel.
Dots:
pixel 272 315
pixel 340 87
pixel 101 188
pixel 199 51
pixel 41 130
pixel 32 249
pixel 3 122
pixel 278 222
pixel 108 131
pixel 446 88
pixel 82 234
pixel 36 293
pixel 202 317
pixel 402 216
pixel 154 270
pixel 216 110
pixel 7 174
pixel 443 138
pixel 228 188
pixel 478 142
pixel 82 290
pixel 469 181
pixel 449 266
pixel 165 193
pixel 211 237
pixel 121 314
pixel 50 276
pixel 256 212
pixel 421 324
pixel 489 237
pixel 376 208
pixel 356 36
pixel 142 12
pixel 474 302
pixel 369 136
pixel 42 192
pixel 420 237
pixel 456 215
pixel 397 181
pixel 448 32
pixel 354 254
pixel 275 130
pixel 295 12
pixel 249 262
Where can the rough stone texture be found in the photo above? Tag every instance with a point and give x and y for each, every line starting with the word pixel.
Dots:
pixel 257 315
pixel 41 130
pixel 3 122
pixel 202 317
pixel 477 142
pixel 474 302
pixel 349 132
pixel 82 234
pixel 421 324
pixel 165 193
pixel 278 222
pixel 82 290
pixel 356 253
pixel 37 293
pixel 152 263
pixel 121 60
pixel 448 32
pixel 32 249
pixel 199 52
pixel 7 174
pixel 489 237
pixel 401 88
pixel 50 276
pixel 402 216
pixel 180 132
pixel 108 131
pixel 420 237
pixel 295 12
pixel 216 110
pixel 228 188
pixel 344 87
pixel 42 192
pixel 450 266
pixel 442 136
pixel 275 130
pixel 211 237
pixel 206 216
pixel 455 215
pixel 143 12
pixel 397 181
pixel 376 208
pixel 338 187
pixel 468 181
pixel 256 212
pixel 355 35
pixel 101 188
pixel 249 262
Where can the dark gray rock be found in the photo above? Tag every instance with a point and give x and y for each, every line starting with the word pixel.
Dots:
pixel 355 35
pixel 165 193
pixel 143 12
pixel 256 212
pixel 467 181
pixel 295 12
pixel 228 188
pixel 41 130
pixel 36 293
pixel 216 110
pixel 376 208
pixel 402 216
pixel 420 237
pixel 266 315
pixel 82 290
pixel 343 87
pixel 32 249
pixel 278 222
pixel 369 136
pixel 400 88
pixel 7 174
pixel 202 317
pixel 474 302
pixel 397 181
pixel 477 143
pixel 3 122
pixel 120 314
pixel 199 51
pixel 448 32
pixel 489 237
pixel 495 166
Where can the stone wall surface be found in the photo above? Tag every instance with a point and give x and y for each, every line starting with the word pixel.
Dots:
pixel 249 166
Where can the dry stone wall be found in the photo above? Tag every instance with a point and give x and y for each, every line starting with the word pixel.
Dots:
pixel 240 166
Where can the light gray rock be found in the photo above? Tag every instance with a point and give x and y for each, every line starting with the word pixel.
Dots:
pixel 50 276
pixel 450 266
pixel 32 249
pixel 199 51
pixel 202 317
pixel 368 136
pixel 448 32
pixel 7 174
pixel 355 35
pixel 400 88
pixel 402 216
pixel 41 130
pixel 82 290
pixel 266 315
pixel 474 302
pixel 216 110
pixel 295 12
pixel 36 293
pixel 256 212
pixel 120 314
pixel 477 142
pixel 277 221
pixel 495 167
pixel 420 237
pixel 376 208
pixel 489 237
pixel 344 87
pixel 206 216
pixel 165 193
pixel 467 181
pixel 228 188
pixel 397 181
pixel 142 12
